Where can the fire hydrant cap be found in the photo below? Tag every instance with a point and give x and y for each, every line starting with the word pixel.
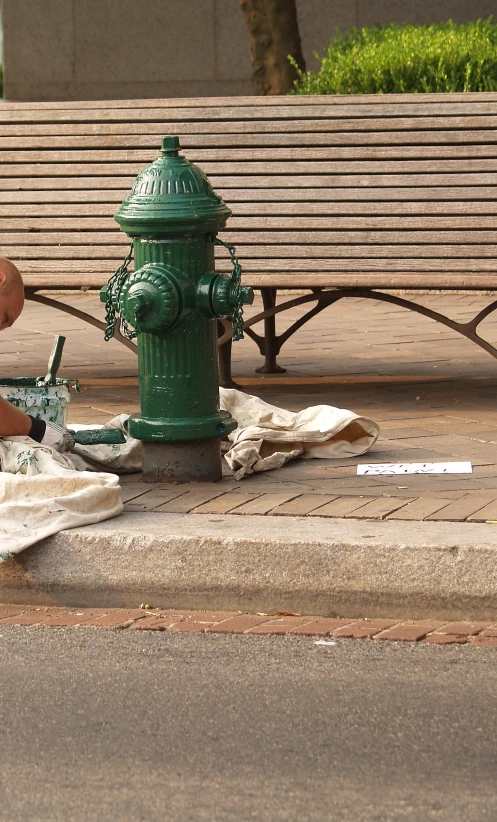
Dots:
pixel 172 196
pixel 170 143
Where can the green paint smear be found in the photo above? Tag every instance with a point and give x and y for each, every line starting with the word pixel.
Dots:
pixel 5 555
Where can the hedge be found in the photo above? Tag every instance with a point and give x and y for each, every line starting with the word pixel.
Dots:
pixel 442 57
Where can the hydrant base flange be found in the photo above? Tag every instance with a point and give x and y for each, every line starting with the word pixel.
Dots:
pixel 169 430
pixel 197 461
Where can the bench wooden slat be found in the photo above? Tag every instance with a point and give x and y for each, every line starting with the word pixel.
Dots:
pixel 359 127
pixel 357 181
pixel 380 252
pixel 303 209
pixel 324 108
pixel 369 280
pixel 253 100
pixel 54 239
pixel 294 209
pixel 248 224
pixel 80 252
pixel 251 223
pixel 281 253
pixel 366 237
pixel 260 156
pixel 68 239
pixel 270 265
pixel 223 143
pixel 363 182
pixel 363 222
pixel 114 197
pixel 425 166
pixel 278 167
pixel 366 194
pixel 421 280
pixel 111 197
pixel 66 183
pixel 299 280
pixel 389 149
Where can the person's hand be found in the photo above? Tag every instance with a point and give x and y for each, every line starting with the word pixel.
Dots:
pixel 57 437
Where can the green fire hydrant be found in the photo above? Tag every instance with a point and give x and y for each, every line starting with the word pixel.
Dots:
pixel 170 304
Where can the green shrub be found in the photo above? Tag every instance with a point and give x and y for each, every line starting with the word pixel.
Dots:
pixel 383 60
pixel 1 80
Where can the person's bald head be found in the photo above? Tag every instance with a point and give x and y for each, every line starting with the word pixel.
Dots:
pixel 11 293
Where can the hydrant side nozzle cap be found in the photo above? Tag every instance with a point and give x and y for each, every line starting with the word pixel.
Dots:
pixel 247 295
pixel 170 144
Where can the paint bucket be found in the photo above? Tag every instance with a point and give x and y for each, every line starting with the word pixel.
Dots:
pixel 34 397
pixel 44 397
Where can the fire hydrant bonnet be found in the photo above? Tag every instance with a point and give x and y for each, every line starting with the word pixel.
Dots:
pixel 171 196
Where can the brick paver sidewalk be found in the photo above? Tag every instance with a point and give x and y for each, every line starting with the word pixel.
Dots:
pixel 432 392
pixel 474 634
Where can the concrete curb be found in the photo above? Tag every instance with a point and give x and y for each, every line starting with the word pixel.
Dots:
pixel 324 567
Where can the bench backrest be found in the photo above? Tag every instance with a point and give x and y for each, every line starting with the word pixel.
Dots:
pixel 363 190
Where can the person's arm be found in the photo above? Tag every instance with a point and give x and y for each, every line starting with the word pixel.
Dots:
pixel 15 423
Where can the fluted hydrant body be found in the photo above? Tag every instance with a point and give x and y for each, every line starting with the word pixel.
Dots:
pixel 172 300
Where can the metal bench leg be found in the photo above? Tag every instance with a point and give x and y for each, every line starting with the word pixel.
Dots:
pixel 271 342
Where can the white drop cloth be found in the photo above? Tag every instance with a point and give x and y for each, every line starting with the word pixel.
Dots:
pixel 43 492
pixel 268 436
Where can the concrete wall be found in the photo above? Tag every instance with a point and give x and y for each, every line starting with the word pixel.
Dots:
pixel 118 49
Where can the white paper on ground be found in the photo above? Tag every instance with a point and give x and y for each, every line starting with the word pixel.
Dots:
pixel 389 468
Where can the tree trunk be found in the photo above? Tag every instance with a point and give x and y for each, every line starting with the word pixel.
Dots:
pixel 274 34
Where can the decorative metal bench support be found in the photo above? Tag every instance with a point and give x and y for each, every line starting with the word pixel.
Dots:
pixel 270 344
pixel 81 315
pixel 270 347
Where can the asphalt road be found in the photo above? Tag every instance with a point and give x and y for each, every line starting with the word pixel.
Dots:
pixel 118 726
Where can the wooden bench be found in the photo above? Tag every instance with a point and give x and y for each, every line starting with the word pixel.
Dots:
pixel 336 196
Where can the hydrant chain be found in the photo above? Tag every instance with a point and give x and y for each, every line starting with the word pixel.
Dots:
pixel 113 293
pixel 236 290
